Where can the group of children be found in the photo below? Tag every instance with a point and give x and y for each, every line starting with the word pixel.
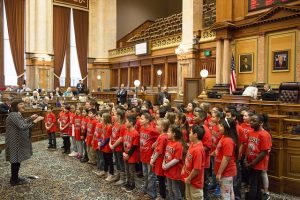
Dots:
pixel 188 153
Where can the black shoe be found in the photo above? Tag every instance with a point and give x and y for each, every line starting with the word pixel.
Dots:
pixel 20 181
pixel 68 152
pixel 130 188
pixel 54 147
pixel 84 160
pixel 266 196
pixel 49 147
pixel 125 186
pixel 62 147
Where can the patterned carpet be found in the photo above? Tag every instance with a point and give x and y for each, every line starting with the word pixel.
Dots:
pixel 63 177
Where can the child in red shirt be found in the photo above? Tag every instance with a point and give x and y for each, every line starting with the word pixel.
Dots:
pixel 190 113
pixel 104 146
pixel 74 152
pixel 91 124
pixel 257 155
pixel 77 128
pixel 64 128
pixel 225 158
pixel 148 136
pixel 84 121
pixel 172 163
pixel 181 121
pixel 50 124
pixel 193 170
pixel 115 144
pixel 159 153
pixel 95 143
pixel 131 142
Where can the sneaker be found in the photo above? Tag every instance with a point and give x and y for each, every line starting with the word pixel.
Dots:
pixel 109 177
pixel 266 196
pixel 119 182
pixel 97 172
pixel 49 147
pixel 130 188
pixel 73 154
pixel 217 191
pixel 102 173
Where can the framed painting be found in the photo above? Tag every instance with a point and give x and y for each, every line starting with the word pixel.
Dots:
pixel 280 61
pixel 246 63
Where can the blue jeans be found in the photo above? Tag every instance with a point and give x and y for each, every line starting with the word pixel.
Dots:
pixel 150 180
pixel 174 189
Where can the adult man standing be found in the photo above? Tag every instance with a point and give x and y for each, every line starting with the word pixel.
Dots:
pixel 163 95
pixel 122 95
pixel 80 87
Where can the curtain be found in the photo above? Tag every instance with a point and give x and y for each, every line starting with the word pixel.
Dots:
pixel 146 76
pixel 15 14
pixel 172 74
pixel 134 75
pixel 81 27
pixel 61 33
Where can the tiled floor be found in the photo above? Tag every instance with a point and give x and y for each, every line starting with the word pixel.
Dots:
pixel 63 177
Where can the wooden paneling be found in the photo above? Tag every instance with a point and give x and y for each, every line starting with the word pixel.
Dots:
pixel 146 76
pixel 156 77
pixel 206 63
pixel 172 74
pixel 124 76
pixel 134 75
pixel 114 78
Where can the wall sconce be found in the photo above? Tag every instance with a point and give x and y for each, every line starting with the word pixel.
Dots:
pixel 204 75
pixel 136 83
pixel 159 73
pixel 99 82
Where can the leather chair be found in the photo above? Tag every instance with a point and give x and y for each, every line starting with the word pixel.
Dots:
pixel 289 92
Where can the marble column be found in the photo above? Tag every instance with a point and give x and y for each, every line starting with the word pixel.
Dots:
pixel 261 64
pixel 39 43
pixel 219 62
pixel 226 62
pixel 102 32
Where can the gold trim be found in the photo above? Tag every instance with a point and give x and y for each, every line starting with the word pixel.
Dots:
pixel 71 5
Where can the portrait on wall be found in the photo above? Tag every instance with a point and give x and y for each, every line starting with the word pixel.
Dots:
pixel 246 63
pixel 280 61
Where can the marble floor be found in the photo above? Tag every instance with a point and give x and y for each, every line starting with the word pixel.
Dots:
pixel 63 177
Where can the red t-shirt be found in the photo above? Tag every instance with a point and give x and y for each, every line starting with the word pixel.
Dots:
pixel 72 115
pixel 259 141
pixel 131 138
pixel 207 142
pixel 77 126
pixel 84 121
pixel 106 136
pixel 97 135
pixel 195 159
pixel 118 131
pixel 90 131
pixel 64 120
pixel 243 133
pixel 147 137
pixel 160 148
pixel 174 150
pixel 185 135
pixel 190 118
pixel 226 147
pixel 138 125
pixel 49 119
pixel 215 136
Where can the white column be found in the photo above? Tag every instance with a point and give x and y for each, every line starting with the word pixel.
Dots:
pixel 226 62
pixel 261 69
pixel 219 62
pixel 102 28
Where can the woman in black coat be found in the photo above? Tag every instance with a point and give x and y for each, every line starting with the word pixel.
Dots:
pixel 18 139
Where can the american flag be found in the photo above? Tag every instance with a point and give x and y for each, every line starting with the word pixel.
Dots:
pixel 232 76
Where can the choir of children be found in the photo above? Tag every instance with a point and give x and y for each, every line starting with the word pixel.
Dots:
pixel 189 154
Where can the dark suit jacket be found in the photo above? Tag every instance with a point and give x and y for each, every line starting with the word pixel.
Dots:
pixel 122 96
pixel 4 108
pixel 80 87
pixel 244 69
pixel 161 97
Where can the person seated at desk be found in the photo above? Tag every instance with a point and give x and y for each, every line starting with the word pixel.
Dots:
pixel 68 92
pixel 4 107
pixel 45 103
pixel 57 92
pixel 24 89
pixel 35 98
pixel 268 94
pixel 27 102
pixel 251 91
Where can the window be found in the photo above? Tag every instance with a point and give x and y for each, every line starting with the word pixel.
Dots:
pixel 9 66
pixel 74 65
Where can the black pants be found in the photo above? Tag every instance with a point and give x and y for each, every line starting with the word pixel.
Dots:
pixel 255 184
pixel 108 162
pixel 52 139
pixel 162 186
pixel 67 143
pixel 15 167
